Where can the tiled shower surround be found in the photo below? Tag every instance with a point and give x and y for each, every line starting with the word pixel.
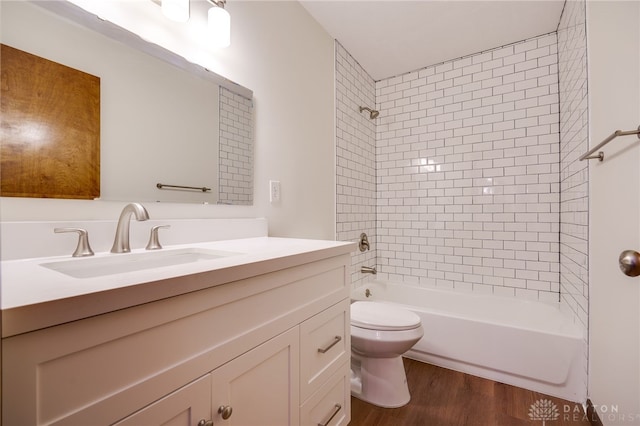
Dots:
pixel 468 169
pixel 355 160
pixel 574 174
pixel 236 149
pixel 478 182
pixel 468 173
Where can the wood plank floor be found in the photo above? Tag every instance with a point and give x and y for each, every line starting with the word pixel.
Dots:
pixel 441 397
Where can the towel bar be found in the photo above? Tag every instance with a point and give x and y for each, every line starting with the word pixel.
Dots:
pixel 612 136
pixel 196 188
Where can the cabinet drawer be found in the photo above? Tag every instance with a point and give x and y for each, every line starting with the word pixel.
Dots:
pixel 325 344
pixel 331 404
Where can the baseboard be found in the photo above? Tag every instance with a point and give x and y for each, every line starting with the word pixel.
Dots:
pixel 592 414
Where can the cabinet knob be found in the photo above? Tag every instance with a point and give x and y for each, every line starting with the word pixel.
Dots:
pixel 204 422
pixel 225 411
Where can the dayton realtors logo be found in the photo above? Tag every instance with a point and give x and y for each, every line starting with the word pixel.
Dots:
pixel 544 410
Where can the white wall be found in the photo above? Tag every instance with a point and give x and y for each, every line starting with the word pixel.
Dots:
pixel 288 61
pixel 613 38
pixel 286 58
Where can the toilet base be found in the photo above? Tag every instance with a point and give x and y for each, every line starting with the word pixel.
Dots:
pixel 379 381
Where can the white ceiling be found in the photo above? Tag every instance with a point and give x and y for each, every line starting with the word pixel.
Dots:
pixel 393 37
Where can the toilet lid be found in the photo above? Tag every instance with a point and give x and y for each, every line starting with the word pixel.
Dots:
pixel 382 316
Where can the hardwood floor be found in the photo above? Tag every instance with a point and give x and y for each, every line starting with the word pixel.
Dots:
pixel 441 397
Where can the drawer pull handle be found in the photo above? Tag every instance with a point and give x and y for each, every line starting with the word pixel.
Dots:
pixel 335 341
pixel 204 422
pixel 337 408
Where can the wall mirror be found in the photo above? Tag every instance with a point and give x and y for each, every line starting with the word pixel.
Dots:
pixel 164 120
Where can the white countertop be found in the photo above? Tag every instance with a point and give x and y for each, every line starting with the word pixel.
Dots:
pixel 35 297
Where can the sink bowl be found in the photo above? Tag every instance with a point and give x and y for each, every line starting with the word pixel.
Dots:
pixel 130 262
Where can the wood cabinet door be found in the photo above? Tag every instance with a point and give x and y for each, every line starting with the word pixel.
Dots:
pixel 185 407
pixel 261 386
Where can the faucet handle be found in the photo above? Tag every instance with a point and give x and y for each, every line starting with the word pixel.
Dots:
pixel 154 243
pixel 83 248
pixel 363 244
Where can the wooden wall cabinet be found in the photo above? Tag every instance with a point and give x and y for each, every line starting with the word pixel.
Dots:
pixel 50 123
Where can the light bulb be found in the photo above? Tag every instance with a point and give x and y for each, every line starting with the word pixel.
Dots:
pixel 219 22
pixel 176 10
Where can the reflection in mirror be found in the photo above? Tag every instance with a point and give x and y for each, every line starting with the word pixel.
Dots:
pixel 163 119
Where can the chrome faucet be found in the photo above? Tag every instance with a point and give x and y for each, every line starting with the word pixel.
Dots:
pixel 121 242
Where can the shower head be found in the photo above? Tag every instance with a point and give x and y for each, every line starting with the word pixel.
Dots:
pixel 372 112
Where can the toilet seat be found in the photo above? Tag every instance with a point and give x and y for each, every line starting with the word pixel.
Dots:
pixel 382 316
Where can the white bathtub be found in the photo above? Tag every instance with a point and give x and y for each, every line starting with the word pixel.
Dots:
pixel 523 343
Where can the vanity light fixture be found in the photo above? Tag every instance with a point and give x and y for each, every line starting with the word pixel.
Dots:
pixel 176 10
pixel 218 19
pixel 219 23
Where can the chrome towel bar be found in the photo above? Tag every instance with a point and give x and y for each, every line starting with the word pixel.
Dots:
pixel 612 136
pixel 196 188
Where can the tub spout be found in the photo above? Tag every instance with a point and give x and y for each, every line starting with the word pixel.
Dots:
pixel 368 270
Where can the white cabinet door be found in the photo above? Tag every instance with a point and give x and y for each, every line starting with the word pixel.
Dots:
pixel 261 386
pixel 185 407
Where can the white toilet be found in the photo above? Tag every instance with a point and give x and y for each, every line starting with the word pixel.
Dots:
pixel 380 334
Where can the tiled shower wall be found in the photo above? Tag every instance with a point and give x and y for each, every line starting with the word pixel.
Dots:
pixel 235 180
pixel 574 174
pixel 355 160
pixel 468 173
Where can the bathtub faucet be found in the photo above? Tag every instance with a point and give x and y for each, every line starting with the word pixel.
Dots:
pixel 368 270
pixel 363 244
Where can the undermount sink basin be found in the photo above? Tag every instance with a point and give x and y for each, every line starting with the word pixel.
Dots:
pixel 130 262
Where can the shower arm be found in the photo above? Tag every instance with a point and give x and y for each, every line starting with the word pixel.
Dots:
pixel 372 112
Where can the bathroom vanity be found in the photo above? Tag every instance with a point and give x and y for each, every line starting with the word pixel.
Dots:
pixel 258 336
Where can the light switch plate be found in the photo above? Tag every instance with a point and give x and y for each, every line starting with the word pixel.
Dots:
pixel 274 191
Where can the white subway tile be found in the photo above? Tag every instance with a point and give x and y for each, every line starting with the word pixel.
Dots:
pixel 526 66
pixel 526 45
pixel 465 160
